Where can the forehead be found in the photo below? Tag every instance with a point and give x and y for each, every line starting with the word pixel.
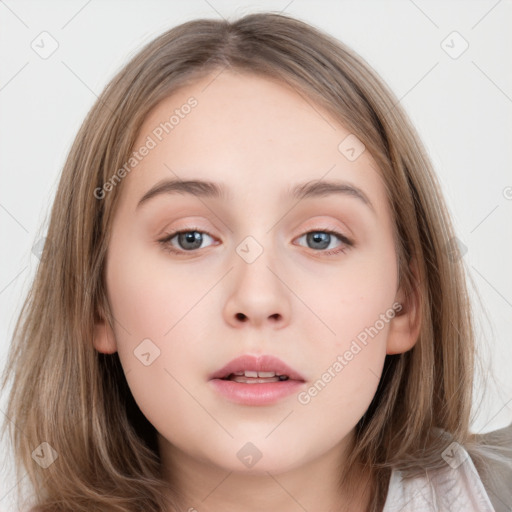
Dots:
pixel 245 109
pixel 251 133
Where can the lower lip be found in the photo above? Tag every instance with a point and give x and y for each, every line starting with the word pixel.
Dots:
pixel 256 394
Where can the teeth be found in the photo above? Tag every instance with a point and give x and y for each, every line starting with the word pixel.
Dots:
pixel 253 374
pixel 251 380
pixel 257 376
pixel 266 374
pixel 252 377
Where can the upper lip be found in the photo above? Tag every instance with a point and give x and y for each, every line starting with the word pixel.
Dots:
pixel 265 363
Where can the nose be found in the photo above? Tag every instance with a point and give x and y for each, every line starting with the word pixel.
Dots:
pixel 258 294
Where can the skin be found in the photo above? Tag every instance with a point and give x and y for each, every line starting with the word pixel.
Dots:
pixel 258 137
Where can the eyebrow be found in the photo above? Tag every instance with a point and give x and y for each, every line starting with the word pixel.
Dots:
pixel 210 189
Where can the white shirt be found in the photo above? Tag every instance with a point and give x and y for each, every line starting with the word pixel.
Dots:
pixel 455 488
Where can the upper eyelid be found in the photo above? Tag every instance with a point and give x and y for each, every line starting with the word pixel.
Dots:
pixel 328 223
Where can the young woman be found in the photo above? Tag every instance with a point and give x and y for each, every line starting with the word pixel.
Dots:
pixel 249 297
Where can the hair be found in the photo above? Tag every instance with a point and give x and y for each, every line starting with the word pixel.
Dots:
pixel 69 395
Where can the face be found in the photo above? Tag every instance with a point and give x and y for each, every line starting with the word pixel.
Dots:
pixel 310 280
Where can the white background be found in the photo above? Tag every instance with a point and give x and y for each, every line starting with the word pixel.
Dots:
pixel 461 106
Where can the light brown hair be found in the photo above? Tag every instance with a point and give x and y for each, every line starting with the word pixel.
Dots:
pixel 77 400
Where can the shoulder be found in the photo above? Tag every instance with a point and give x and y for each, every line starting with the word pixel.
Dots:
pixel 455 486
pixel 495 468
pixel 501 437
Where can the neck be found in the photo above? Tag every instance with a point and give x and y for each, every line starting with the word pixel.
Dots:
pixel 201 486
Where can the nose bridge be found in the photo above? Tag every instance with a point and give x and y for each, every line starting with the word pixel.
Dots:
pixel 258 244
pixel 257 293
pixel 256 255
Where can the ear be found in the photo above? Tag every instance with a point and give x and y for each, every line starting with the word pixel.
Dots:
pixel 405 326
pixel 104 340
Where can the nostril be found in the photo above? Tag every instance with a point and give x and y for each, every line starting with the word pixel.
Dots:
pixel 240 316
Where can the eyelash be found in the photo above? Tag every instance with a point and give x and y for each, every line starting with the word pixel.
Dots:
pixel 343 249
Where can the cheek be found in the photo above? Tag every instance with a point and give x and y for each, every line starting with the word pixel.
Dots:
pixel 149 295
pixel 355 308
pixel 347 298
pixel 157 308
pixel 157 338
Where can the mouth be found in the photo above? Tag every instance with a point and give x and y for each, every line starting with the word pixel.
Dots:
pixel 251 380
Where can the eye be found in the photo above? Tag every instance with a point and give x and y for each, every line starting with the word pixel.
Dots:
pixel 322 239
pixel 188 240
pixel 191 239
